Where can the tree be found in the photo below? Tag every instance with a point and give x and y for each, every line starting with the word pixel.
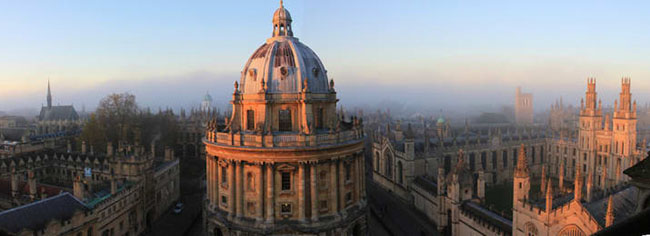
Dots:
pixel 118 119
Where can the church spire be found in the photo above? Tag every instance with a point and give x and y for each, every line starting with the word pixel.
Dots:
pixel 577 190
pixel 549 197
pixel 49 95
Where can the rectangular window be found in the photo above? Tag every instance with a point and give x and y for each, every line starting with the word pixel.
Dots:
pixel 250 120
pixel 286 181
pixel 285 208
pixel 323 180
pixel 323 205
pixel 224 200
pixel 224 175
pixel 319 118
pixel 347 172
pixel 285 120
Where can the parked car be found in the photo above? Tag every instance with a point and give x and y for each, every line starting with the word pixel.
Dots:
pixel 178 208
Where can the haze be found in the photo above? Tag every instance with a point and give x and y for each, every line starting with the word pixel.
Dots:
pixel 432 54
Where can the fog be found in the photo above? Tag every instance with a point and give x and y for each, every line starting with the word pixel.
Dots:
pixel 432 98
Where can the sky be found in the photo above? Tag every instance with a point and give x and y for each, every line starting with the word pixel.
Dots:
pixel 429 54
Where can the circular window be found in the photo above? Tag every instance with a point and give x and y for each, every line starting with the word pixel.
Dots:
pixel 284 71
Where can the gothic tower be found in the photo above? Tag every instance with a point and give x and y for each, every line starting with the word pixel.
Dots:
pixel 521 183
pixel 624 124
pixel 590 123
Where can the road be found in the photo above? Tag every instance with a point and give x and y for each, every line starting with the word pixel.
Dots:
pixel 396 215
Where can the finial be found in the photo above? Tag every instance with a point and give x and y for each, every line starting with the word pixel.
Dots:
pixel 281 3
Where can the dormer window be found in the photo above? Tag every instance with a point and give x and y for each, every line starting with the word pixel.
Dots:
pixel 315 71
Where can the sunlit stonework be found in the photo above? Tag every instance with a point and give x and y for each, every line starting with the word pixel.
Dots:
pixel 285 162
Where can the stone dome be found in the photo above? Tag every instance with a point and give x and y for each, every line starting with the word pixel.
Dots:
pixel 283 64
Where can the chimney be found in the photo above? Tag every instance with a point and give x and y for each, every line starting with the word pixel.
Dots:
pixel 14 183
pixel 83 147
pixel 77 188
pixel 481 185
pixel 109 149
pixel 609 217
pixel 113 185
pixel 43 194
pixel 32 184
pixel 169 154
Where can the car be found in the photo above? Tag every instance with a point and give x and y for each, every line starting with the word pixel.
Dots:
pixel 178 208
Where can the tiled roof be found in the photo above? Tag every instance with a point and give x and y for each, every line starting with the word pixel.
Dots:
pixel 624 205
pixel 58 113
pixel 37 215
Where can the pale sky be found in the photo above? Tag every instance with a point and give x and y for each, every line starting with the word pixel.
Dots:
pixel 430 53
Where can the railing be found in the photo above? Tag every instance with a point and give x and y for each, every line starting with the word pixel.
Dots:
pixel 284 140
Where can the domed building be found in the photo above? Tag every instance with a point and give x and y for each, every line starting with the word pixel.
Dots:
pixel 285 162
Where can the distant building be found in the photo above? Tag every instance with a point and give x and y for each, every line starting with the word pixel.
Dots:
pixel 57 120
pixel 523 107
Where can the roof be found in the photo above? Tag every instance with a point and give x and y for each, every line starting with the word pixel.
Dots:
pixel 37 215
pixel 56 113
pixel 624 205
pixel 490 217
pixel 283 64
pixel 640 171
pixel 427 184
pixel 634 225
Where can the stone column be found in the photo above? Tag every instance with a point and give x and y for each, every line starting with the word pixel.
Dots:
pixel 231 185
pixel 260 193
pixel 239 209
pixel 362 175
pixel 333 187
pixel 301 192
pixel 209 179
pixel 270 194
pixel 215 181
pixel 314 191
pixel 357 179
pixel 341 188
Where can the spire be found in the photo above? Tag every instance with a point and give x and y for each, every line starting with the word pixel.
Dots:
pixel 577 190
pixel 549 196
pixel 49 95
pixel 561 177
pixel 609 217
pixel 521 170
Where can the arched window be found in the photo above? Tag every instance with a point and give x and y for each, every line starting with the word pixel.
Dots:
pixel 571 230
pixel 530 229
pixel 388 164
pixel 377 155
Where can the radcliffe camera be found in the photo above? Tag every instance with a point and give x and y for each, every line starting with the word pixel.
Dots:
pixel 324 118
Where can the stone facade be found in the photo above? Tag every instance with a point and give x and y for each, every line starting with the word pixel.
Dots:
pixel 121 192
pixel 285 162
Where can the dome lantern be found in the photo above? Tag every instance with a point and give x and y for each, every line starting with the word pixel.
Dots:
pixel 282 22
